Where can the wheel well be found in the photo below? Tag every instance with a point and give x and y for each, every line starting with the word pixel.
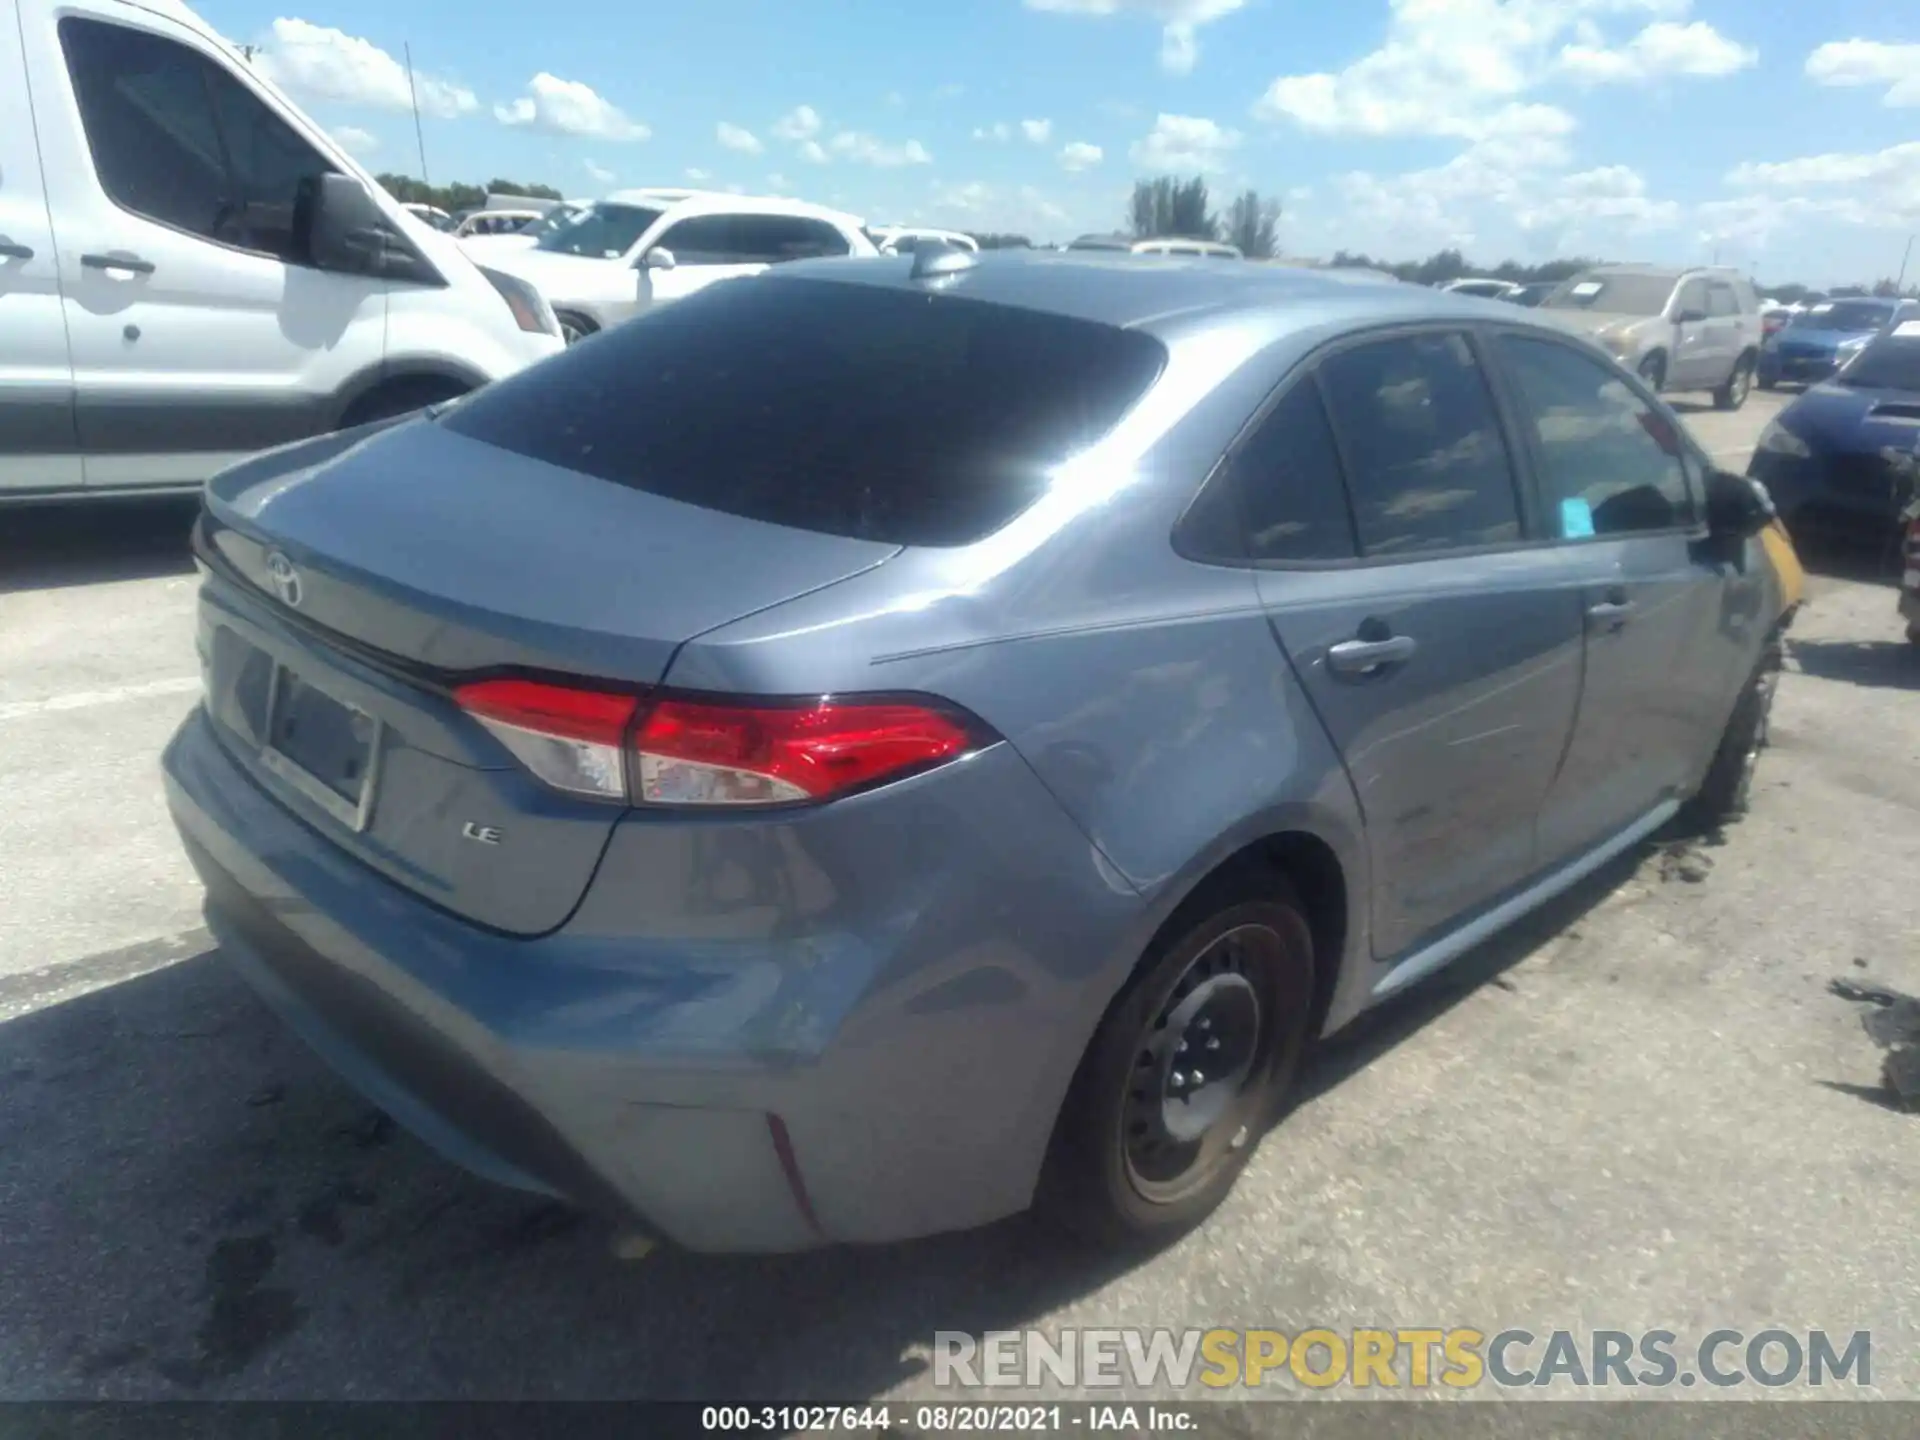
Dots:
pixel 583 323
pixel 399 394
pixel 1657 353
pixel 1310 865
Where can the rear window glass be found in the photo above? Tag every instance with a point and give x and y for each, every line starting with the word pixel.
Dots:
pixel 904 417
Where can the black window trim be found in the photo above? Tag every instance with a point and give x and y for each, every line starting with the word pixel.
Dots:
pixel 1536 468
pixel 401 261
pixel 1307 370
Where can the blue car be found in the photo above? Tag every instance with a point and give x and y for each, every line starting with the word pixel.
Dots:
pixel 1836 461
pixel 1817 342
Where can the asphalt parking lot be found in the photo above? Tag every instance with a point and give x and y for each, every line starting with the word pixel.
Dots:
pixel 1645 1109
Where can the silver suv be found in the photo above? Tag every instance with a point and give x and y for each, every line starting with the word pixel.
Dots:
pixel 1678 329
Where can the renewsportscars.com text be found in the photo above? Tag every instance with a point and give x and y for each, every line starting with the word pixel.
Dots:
pixel 1412 1358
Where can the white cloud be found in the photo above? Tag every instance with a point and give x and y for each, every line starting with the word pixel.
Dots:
pixel 801 123
pixel 1180 20
pixel 1662 49
pixel 1184 143
pixel 738 137
pixel 1038 131
pixel 813 152
pixel 999 130
pixel 865 149
pixel 1079 155
pixel 598 172
pixel 1869 62
pixel 1446 66
pixel 778 184
pixel 354 140
pixel 697 175
pixel 1880 188
pixel 1025 210
pixel 569 107
pixel 325 64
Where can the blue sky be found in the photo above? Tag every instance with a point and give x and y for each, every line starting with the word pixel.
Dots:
pixel 1785 138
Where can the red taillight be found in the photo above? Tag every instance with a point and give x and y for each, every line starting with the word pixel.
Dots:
pixel 711 752
pixel 569 738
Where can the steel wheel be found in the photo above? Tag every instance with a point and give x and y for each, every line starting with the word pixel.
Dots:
pixel 1199 1070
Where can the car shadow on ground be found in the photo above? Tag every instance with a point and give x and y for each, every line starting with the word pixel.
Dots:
pixel 46 547
pixel 198 1209
pixel 1880 664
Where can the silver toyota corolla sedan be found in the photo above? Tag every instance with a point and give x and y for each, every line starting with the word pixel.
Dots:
pixel 880 745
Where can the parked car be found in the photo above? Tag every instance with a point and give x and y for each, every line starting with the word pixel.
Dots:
pixel 1837 461
pixel 1102 242
pixel 1677 329
pixel 496 222
pixel 483 246
pixel 1816 342
pixel 1485 289
pixel 640 248
pixel 432 214
pixel 1532 293
pixel 901 239
pixel 1003 731
pixel 1910 571
pixel 1205 249
pixel 169 330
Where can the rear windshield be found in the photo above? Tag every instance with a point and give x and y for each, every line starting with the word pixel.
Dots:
pixel 899 416
pixel 1612 294
pixel 1889 363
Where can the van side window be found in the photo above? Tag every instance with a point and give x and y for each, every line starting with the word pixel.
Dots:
pixel 177 139
pixel 1286 477
pixel 1610 463
pixel 1426 460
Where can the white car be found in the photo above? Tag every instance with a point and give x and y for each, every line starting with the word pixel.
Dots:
pixel 1486 289
pixel 901 239
pixel 495 222
pixel 638 248
pixel 485 246
pixel 192 270
pixel 1212 249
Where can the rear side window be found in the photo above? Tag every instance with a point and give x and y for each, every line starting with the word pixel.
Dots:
pixel 701 240
pixel 772 239
pixel 1610 463
pixel 1286 477
pixel 899 416
pixel 1722 301
pixel 1426 463
pixel 177 139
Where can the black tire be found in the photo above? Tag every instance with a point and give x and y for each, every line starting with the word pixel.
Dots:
pixel 1653 370
pixel 1140 1155
pixel 1726 791
pixel 1733 394
pixel 401 397
pixel 573 327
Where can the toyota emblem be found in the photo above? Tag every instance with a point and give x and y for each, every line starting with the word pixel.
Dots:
pixel 284 579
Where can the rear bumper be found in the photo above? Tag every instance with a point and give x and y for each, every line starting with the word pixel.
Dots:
pixel 1795 369
pixel 877 1066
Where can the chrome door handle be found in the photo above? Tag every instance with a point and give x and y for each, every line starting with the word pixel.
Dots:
pixel 1609 614
pixel 118 260
pixel 11 251
pixel 1365 657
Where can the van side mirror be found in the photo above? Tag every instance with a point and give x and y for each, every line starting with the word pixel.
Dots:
pixel 658 258
pixel 1738 507
pixel 344 227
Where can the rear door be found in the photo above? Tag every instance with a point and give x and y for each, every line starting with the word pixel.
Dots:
pixel 1616 494
pixel 1692 364
pixel 1439 648
pixel 38 449
pixel 1724 328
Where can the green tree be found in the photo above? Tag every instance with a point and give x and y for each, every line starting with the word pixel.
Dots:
pixel 1253 225
pixel 1168 208
pixel 459 195
pixel 992 240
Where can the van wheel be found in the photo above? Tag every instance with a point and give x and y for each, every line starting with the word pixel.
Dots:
pixel 574 328
pixel 1653 370
pixel 1727 790
pixel 1187 1069
pixel 1733 394
pixel 401 397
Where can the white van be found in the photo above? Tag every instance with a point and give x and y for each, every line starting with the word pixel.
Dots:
pixel 191 270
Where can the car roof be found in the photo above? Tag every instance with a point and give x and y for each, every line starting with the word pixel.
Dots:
pixel 711 202
pixel 1164 294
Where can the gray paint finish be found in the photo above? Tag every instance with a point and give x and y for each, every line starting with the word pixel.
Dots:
pixel 907 978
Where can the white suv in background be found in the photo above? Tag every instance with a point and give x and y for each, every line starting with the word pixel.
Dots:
pixel 191 270
pixel 642 247
pixel 902 239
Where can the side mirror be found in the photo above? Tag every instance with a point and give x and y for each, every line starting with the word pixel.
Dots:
pixel 658 258
pixel 1689 317
pixel 1738 507
pixel 344 227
